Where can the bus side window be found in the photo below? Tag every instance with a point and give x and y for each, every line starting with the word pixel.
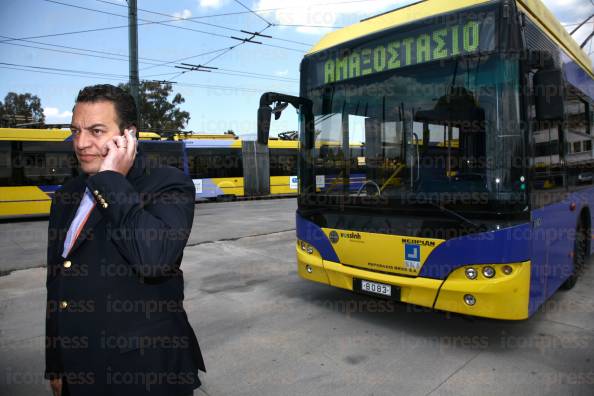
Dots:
pixel 214 162
pixel 5 164
pixel 548 170
pixel 283 162
pixel 577 137
pixel 47 163
pixel 591 120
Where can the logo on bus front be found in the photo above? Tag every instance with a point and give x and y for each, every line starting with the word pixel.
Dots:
pixel 333 236
pixel 412 256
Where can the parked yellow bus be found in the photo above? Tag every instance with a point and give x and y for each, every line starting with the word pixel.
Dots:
pixel 482 110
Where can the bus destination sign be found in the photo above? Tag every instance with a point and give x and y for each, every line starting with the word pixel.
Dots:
pixel 411 47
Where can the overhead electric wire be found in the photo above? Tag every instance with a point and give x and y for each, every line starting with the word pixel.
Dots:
pixel 223 71
pixel 253 12
pixel 189 19
pixel 272 78
pixel 311 26
pixel 575 24
pixel 255 74
pixel 124 57
pixel 145 22
pixel 175 76
pixel 65 70
pixel 185 58
pixel 223 53
pixel 124 79
pixel 233 47
pixel 61 74
pixel 256 11
pixel 71 52
pixel 77 32
pixel 164 23
pixel 77 49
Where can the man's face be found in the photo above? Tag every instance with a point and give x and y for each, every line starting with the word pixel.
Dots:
pixel 93 125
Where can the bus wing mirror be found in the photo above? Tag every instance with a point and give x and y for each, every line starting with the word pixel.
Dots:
pixel 264 114
pixel 548 95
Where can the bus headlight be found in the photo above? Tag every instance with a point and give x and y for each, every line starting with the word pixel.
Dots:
pixel 488 272
pixel 469 299
pixel 306 247
pixel 507 270
pixel 471 273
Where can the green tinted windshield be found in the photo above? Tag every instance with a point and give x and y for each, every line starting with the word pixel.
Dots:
pixel 433 129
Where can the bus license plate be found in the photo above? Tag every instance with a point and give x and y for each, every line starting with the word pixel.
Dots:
pixel 376 288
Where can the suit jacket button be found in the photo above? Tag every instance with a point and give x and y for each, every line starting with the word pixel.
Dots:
pixel 63 304
pixel 105 205
pixel 95 193
pixel 67 264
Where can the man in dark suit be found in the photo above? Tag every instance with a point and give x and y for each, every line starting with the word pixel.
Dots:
pixel 115 322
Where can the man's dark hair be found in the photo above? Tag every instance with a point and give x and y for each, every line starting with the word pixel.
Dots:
pixel 123 102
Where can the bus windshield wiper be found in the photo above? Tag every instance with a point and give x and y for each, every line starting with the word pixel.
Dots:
pixel 455 214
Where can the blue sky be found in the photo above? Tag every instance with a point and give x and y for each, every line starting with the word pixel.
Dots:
pixel 217 101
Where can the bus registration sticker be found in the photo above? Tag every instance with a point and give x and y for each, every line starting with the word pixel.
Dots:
pixel 198 185
pixel 412 256
pixel 376 288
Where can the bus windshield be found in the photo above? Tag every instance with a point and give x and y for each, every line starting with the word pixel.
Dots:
pixel 437 132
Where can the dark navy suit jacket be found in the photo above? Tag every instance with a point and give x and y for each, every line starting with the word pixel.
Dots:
pixel 115 322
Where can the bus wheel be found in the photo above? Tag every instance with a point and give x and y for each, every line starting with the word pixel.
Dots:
pixel 580 254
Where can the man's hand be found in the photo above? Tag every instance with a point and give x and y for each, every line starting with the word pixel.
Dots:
pixel 119 153
pixel 56 385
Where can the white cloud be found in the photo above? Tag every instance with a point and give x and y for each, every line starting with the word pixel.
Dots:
pixel 183 14
pixel 571 13
pixel 281 73
pixel 210 3
pixel 55 114
pixel 310 13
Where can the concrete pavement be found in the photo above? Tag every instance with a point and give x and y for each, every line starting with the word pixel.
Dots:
pixel 265 331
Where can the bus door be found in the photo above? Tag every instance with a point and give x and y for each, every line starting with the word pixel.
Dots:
pixel 548 192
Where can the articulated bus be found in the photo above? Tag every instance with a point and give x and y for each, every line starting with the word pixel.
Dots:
pixel 34 163
pixel 226 168
pixel 475 120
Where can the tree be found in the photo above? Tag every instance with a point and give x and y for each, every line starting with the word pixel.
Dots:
pixel 157 111
pixel 21 109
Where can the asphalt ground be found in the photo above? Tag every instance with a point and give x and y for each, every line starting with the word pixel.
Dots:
pixel 265 331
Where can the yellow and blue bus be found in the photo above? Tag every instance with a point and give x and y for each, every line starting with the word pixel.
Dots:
pixel 475 119
pixel 224 167
pixel 34 163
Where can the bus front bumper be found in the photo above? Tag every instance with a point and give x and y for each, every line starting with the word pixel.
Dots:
pixel 504 296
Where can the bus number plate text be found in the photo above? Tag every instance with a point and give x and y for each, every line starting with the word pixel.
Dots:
pixel 376 288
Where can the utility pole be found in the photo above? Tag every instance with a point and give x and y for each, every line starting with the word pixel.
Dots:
pixel 133 52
